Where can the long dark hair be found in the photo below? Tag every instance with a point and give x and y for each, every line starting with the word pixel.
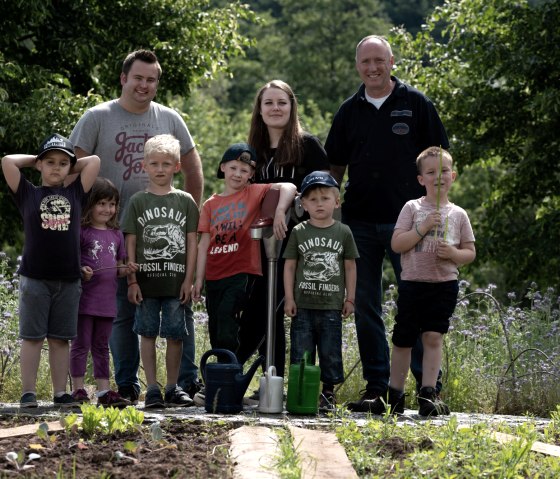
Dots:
pixel 102 189
pixel 290 147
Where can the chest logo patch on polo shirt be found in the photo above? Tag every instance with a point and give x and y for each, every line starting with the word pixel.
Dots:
pixel 400 129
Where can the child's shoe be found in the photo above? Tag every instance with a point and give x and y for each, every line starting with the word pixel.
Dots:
pixel 65 401
pixel 392 400
pixel 154 399
pixel 28 400
pixel 81 396
pixel 200 398
pixel 112 399
pixel 130 393
pixel 430 404
pixel 177 398
pixel 327 402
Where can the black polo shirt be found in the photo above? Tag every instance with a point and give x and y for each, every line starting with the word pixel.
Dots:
pixel 380 147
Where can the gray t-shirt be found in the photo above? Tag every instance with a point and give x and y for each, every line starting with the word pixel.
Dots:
pixel 118 136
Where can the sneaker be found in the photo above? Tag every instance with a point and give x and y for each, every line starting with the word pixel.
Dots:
pixel 327 402
pixel 28 400
pixel 80 395
pixel 177 398
pixel 200 398
pixel 392 400
pixel 194 387
pixel 365 403
pixel 252 400
pixel 112 399
pixel 66 400
pixel 154 399
pixel 130 393
pixel 430 404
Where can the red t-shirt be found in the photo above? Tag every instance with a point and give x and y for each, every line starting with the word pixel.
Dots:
pixel 228 220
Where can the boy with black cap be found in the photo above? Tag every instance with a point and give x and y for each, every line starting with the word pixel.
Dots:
pixel 320 282
pixel 49 271
pixel 227 256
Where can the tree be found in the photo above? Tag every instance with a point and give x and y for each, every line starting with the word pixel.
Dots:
pixel 495 77
pixel 58 57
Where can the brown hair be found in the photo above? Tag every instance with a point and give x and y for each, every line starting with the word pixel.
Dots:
pixel 102 189
pixel 290 146
pixel 433 151
pixel 145 56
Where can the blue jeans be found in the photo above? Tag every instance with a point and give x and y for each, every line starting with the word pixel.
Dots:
pixel 322 330
pixel 374 242
pixel 124 344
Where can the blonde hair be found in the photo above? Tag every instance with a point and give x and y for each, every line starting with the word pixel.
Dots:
pixel 166 144
pixel 432 151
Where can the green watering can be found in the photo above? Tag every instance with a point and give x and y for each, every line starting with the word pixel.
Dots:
pixel 303 387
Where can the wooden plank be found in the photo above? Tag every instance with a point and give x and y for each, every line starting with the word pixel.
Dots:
pixel 253 450
pixel 28 429
pixel 322 456
pixel 542 447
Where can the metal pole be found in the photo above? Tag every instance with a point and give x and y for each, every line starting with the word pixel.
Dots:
pixel 271 312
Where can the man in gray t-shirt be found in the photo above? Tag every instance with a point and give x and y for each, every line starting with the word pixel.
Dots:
pixel 116 132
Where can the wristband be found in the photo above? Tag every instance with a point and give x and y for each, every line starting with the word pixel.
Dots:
pixel 130 284
pixel 418 232
pixel 349 301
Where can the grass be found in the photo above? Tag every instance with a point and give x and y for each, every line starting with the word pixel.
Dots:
pixel 499 357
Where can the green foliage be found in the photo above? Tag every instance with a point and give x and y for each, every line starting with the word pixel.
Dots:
pixel 52 67
pixel 100 420
pixel 494 78
pixel 428 450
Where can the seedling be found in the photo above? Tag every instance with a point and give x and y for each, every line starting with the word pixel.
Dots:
pixel 19 461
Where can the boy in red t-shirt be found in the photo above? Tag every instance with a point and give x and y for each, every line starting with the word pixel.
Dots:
pixel 228 258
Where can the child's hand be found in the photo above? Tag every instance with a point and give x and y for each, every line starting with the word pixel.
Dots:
pixel 433 219
pixel 132 267
pixel 279 226
pixel 197 291
pixel 134 294
pixel 347 309
pixel 186 292
pixel 123 271
pixel 445 250
pixel 290 308
pixel 87 273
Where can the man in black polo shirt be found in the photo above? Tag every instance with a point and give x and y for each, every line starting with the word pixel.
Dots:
pixel 377 133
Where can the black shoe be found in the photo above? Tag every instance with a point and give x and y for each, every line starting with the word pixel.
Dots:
pixel 194 387
pixel 327 402
pixel 177 398
pixel 430 404
pixel 392 400
pixel 365 403
pixel 66 400
pixel 154 399
pixel 28 400
pixel 252 400
pixel 130 393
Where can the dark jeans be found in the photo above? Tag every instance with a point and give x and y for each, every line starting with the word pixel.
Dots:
pixel 374 242
pixel 321 330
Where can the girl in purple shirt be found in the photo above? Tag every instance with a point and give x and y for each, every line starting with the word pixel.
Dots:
pixel 102 261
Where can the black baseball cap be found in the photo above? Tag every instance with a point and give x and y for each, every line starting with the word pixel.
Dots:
pixel 317 178
pixel 241 152
pixel 57 142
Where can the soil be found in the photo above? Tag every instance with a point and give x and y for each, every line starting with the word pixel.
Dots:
pixel 188 449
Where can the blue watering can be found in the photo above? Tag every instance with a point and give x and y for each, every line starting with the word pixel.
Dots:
pixel 224 382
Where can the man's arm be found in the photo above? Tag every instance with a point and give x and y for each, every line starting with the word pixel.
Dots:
pixel 337 172
pixel 191 166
